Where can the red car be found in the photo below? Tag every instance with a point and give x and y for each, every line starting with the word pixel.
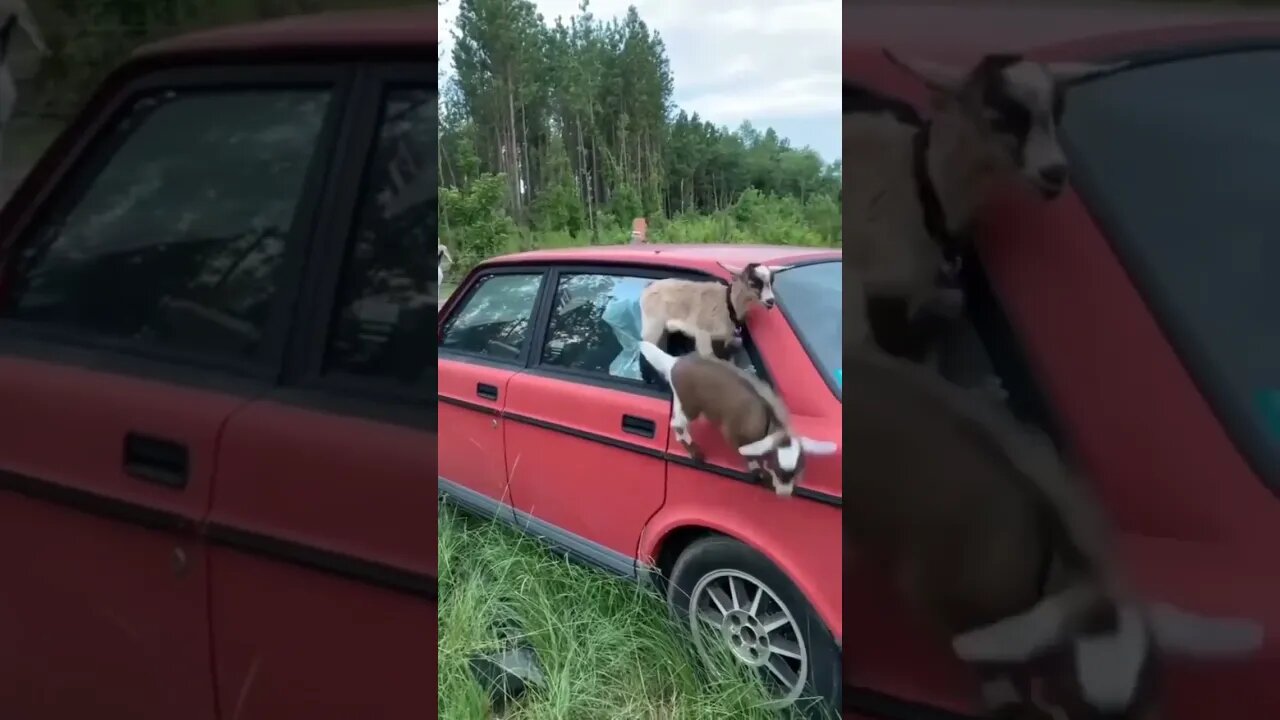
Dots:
pixel 1133 318
pixel 216 412
pixel 547 422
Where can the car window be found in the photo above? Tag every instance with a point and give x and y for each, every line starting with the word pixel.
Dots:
pixel 595 328
pixel 813 298
pixel 493 320
pixel 386 311
pixel 1179 161
pixel 174 234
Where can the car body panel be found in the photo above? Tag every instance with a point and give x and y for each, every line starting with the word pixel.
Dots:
pixel 472 427
pixel 327 33
pixel 569 442
pixel 1195 525
pixel 98 599
pixel 802 538
pixel 349 486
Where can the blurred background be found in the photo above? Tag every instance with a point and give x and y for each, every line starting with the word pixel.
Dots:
pixel 86 39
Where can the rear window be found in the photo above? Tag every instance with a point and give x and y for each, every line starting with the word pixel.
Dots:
pixel 1180 159
pixel 812 298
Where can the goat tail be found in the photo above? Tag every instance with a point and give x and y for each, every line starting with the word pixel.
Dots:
pixel 661 361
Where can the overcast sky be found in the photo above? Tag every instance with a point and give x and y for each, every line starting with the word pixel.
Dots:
pixel 773 62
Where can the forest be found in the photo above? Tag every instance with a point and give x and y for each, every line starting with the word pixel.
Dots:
pixel 561 131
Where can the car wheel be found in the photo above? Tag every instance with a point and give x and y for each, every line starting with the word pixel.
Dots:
pixel 732 596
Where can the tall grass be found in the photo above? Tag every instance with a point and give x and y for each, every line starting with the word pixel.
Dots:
pixel 608 648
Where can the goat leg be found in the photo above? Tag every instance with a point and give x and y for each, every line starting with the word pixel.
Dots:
pixel 705 347
pixel 680 425
pixel 694 451
pixel 758 472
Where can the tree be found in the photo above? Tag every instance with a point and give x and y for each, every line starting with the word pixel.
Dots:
pixel 577 116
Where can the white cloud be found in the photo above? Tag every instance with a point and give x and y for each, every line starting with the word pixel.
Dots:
pixel 735 60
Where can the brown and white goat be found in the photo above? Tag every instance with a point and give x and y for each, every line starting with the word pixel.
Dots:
pixel 995 545
pixel 705 310
pixel 747 412
pixel 917 185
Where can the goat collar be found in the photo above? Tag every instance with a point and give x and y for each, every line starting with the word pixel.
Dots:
pixel 728 301
pixel 935 217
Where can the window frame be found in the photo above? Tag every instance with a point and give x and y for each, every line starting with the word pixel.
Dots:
pixel 83 153
pixel 334 238
pixel 473 284
pixel 531 363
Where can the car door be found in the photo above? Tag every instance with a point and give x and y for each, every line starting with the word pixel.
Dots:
pixel 325 562
pixel 484 342
pixel 144 302
pixel 585 434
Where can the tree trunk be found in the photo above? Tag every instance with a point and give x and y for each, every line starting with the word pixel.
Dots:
pixel 527 164
pixel 515 159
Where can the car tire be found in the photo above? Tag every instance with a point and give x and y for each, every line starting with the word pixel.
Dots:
pixel 704 573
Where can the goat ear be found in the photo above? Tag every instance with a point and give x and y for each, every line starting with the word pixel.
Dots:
pixel 1065 72
pixel 759 447
pixel 733 269
pixel 817 447
pixel 936 76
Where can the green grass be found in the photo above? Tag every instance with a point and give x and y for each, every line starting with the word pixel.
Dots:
pixel 608 648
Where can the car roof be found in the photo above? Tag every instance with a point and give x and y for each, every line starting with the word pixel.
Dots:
pixel 962 31
pixel 702 257
pixel 326 32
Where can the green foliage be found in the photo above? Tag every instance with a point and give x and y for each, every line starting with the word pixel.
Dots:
pixel 479 227
pixel 577 116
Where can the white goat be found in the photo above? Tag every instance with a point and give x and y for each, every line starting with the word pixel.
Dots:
pixel 996 545
pixel 916 185
pixel 707 311
pixel 443 262
pixel 747 412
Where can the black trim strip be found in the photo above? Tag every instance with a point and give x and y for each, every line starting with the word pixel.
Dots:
pixel 875 704
pixel 92 503
pixel 584 435
pixel 800 492
pixel 468 405
pixel 368 572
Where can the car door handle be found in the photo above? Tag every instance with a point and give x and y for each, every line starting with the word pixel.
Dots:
pixel 638 426
pixel 487 391
pixel 156 460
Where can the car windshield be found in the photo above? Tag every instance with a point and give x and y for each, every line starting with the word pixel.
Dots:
pixel 812 298
pixel 1179 161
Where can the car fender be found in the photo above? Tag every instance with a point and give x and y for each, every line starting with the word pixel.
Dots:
pixel 769 524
